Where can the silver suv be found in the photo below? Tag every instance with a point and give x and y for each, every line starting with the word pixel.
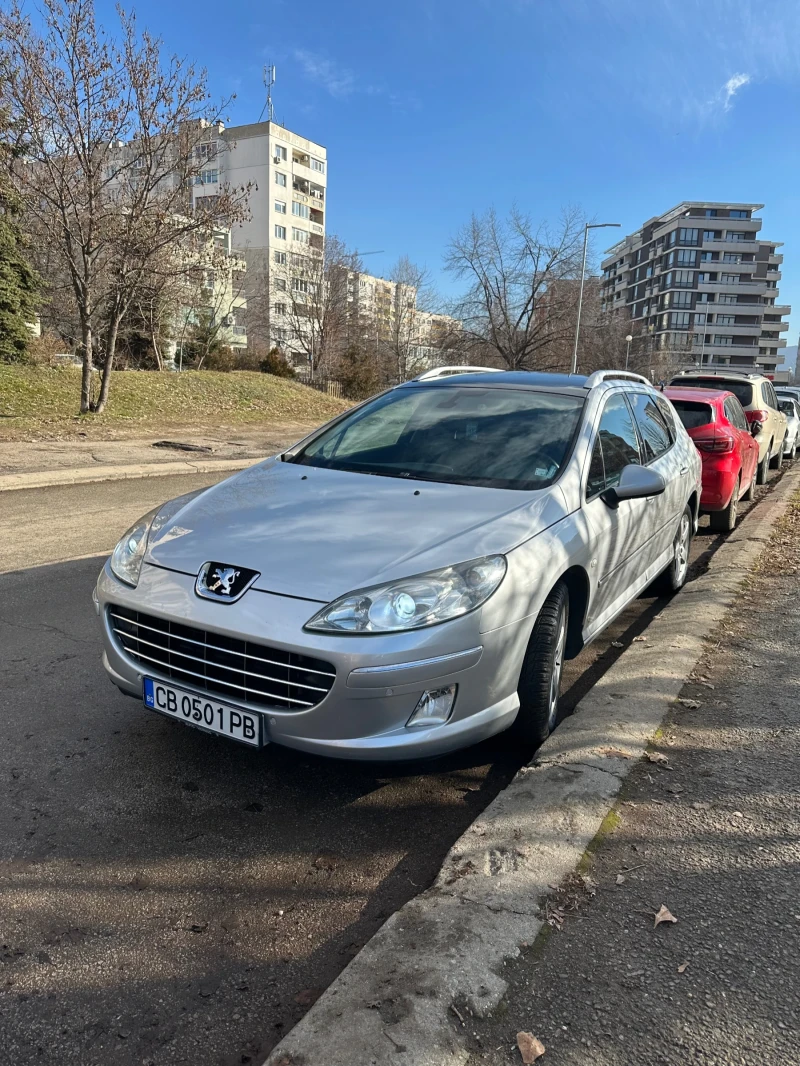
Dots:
pixel 756 394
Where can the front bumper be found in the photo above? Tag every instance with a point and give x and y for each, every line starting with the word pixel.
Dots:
pixel 379 678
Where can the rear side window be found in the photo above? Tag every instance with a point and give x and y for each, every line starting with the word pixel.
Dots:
pixel 616 446
pixel 652 428
pixel 770 399
pixel 735 414
pixel 742 390
pixel 693 414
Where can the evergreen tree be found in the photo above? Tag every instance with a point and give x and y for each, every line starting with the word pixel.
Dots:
pixel 19 283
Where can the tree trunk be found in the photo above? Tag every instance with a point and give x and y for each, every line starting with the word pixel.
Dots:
pixel 86 372
pixel 111 346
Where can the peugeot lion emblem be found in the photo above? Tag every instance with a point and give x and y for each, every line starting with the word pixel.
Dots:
pixel 220 581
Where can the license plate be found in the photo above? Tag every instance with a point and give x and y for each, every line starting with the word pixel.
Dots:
pixel 204 712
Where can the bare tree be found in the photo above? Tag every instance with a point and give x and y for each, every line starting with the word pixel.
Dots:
pixel 509 266
pixel 412 298
pixel 112 138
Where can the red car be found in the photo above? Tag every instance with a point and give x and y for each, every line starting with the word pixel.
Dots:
pixel 717 424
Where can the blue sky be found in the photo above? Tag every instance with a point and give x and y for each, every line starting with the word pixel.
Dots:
pixel 432 109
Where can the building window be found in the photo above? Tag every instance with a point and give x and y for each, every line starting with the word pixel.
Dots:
pixel 318 165
pixel 711 234
pixel 300 285
pixel 280 309
pixel 301 210
pixel 699 320
pixel 280 258
pixel 280 179
pixel 681 299
pixel 205 151
pixel 735 235
pixel 711 212
pixel 731 257
pixel 687 236
pixel 686 257
pixel 729 279
pixel 280 207
pixel 300 235
pixel 724 341
pixel 727 298
pixel 725 320
pixel 679 320
pixel 740 214
pixel 705 297
pixel 280 232
pixel 280 283
pixel 707 257
pixel 279 152
pixel 209 177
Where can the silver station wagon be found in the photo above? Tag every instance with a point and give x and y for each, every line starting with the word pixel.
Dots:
pixel 409 578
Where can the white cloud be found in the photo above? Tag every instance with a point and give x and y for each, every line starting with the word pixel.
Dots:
pixel 731 88
pixel 338 81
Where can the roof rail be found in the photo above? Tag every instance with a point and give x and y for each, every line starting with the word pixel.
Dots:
pixel 606 375
pixel 450 371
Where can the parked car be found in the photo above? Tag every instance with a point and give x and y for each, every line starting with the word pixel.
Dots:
pixel 719 429
pixel 409 578
pixel 790 406
pixel 757 396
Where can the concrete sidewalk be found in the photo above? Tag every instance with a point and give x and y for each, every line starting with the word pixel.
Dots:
pixel 713 833
pixel 44 463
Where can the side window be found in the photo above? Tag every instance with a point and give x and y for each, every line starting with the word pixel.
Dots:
pixel 735 414
pixel 655 435
pixel 666 413
pixel 769 395
pixel 616 446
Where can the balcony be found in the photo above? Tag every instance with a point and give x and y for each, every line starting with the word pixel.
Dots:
pixel 724 245
pixel 755 287
pixel 315 228
pixel 738 328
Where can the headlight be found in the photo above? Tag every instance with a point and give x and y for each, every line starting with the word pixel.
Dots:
pixel 127 557
pixel 414 602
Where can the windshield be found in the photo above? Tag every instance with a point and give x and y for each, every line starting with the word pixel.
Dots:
pixel 786 406
pixel 742 390
pixel 500 438
pixel 693 413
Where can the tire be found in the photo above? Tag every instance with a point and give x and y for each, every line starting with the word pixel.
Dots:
pixel 793 452
pixel 674 577
pixel 750 492
pixel 725 521
pixel 777 458
pixel 761 470
pixel 540 676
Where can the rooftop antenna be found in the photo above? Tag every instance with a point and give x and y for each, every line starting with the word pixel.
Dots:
pixel 269 81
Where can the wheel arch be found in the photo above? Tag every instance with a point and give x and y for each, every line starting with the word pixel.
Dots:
pixel 577 581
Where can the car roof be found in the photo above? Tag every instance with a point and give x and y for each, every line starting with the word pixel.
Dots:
pixel 722 375
pixel 531 380
pixel 685 392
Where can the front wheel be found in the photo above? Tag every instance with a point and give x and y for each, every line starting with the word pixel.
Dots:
pixel 724 521
pixel 674 577
pixel 540 678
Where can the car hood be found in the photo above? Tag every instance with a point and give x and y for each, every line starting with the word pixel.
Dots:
pixel 317 534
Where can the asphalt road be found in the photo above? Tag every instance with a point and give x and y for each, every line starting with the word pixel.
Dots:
pixel 169 897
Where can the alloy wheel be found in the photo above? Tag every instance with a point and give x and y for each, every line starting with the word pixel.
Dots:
pixel 682 549
pixel 555 677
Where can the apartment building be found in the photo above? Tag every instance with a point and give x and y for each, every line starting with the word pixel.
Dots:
pixel 287 205
pixel 701 281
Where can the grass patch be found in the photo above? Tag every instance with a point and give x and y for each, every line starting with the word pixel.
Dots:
pixel 45 402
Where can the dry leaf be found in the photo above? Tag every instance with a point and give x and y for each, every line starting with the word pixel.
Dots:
pixel 620 879
pixel 656 756
pixel 617 644
pixel 691 704
pixel 638 640
pixel 682 967
pixel 663 915
pixel 616 753
pixel 530 1048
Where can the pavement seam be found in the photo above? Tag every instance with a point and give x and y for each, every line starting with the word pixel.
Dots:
pixel 45 479
pixel 539 829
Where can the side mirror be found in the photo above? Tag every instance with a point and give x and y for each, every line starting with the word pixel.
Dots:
pixel 635 483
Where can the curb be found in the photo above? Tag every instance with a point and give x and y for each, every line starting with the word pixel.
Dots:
pixel 409 992
pixel 44 479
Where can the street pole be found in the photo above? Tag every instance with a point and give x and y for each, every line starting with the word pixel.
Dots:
pixel 586 228
pixel 629 338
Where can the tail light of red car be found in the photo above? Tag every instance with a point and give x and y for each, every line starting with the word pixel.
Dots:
pixel 720 444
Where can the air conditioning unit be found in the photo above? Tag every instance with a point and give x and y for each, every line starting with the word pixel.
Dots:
pixel 277 159
pixel 228 320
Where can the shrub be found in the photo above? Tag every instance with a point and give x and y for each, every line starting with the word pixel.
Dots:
pixel 274 363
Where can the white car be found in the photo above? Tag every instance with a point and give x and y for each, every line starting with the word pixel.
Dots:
pixel 789 404
pixel 408 579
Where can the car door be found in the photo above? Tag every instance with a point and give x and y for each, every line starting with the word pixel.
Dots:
pixel 616 533
pixel 777 420
pixel 747 447
pixel 660 453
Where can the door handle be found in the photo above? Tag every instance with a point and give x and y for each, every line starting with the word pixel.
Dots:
pixel 684 470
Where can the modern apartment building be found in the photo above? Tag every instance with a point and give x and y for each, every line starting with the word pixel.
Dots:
pixel 701 281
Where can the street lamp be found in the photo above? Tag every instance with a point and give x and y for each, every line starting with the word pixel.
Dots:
pixel 586 228
pixel 629 338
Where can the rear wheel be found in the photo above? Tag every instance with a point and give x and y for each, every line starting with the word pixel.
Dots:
pixel 724 521
pixel 777 458
pixel 761 469
pixel 750 492
pixel 674 577
pixel 540 678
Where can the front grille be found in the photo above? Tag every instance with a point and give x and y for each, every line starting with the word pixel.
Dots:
pixel 239 669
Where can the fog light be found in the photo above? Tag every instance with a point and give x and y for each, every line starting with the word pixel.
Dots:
pixel 434 708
